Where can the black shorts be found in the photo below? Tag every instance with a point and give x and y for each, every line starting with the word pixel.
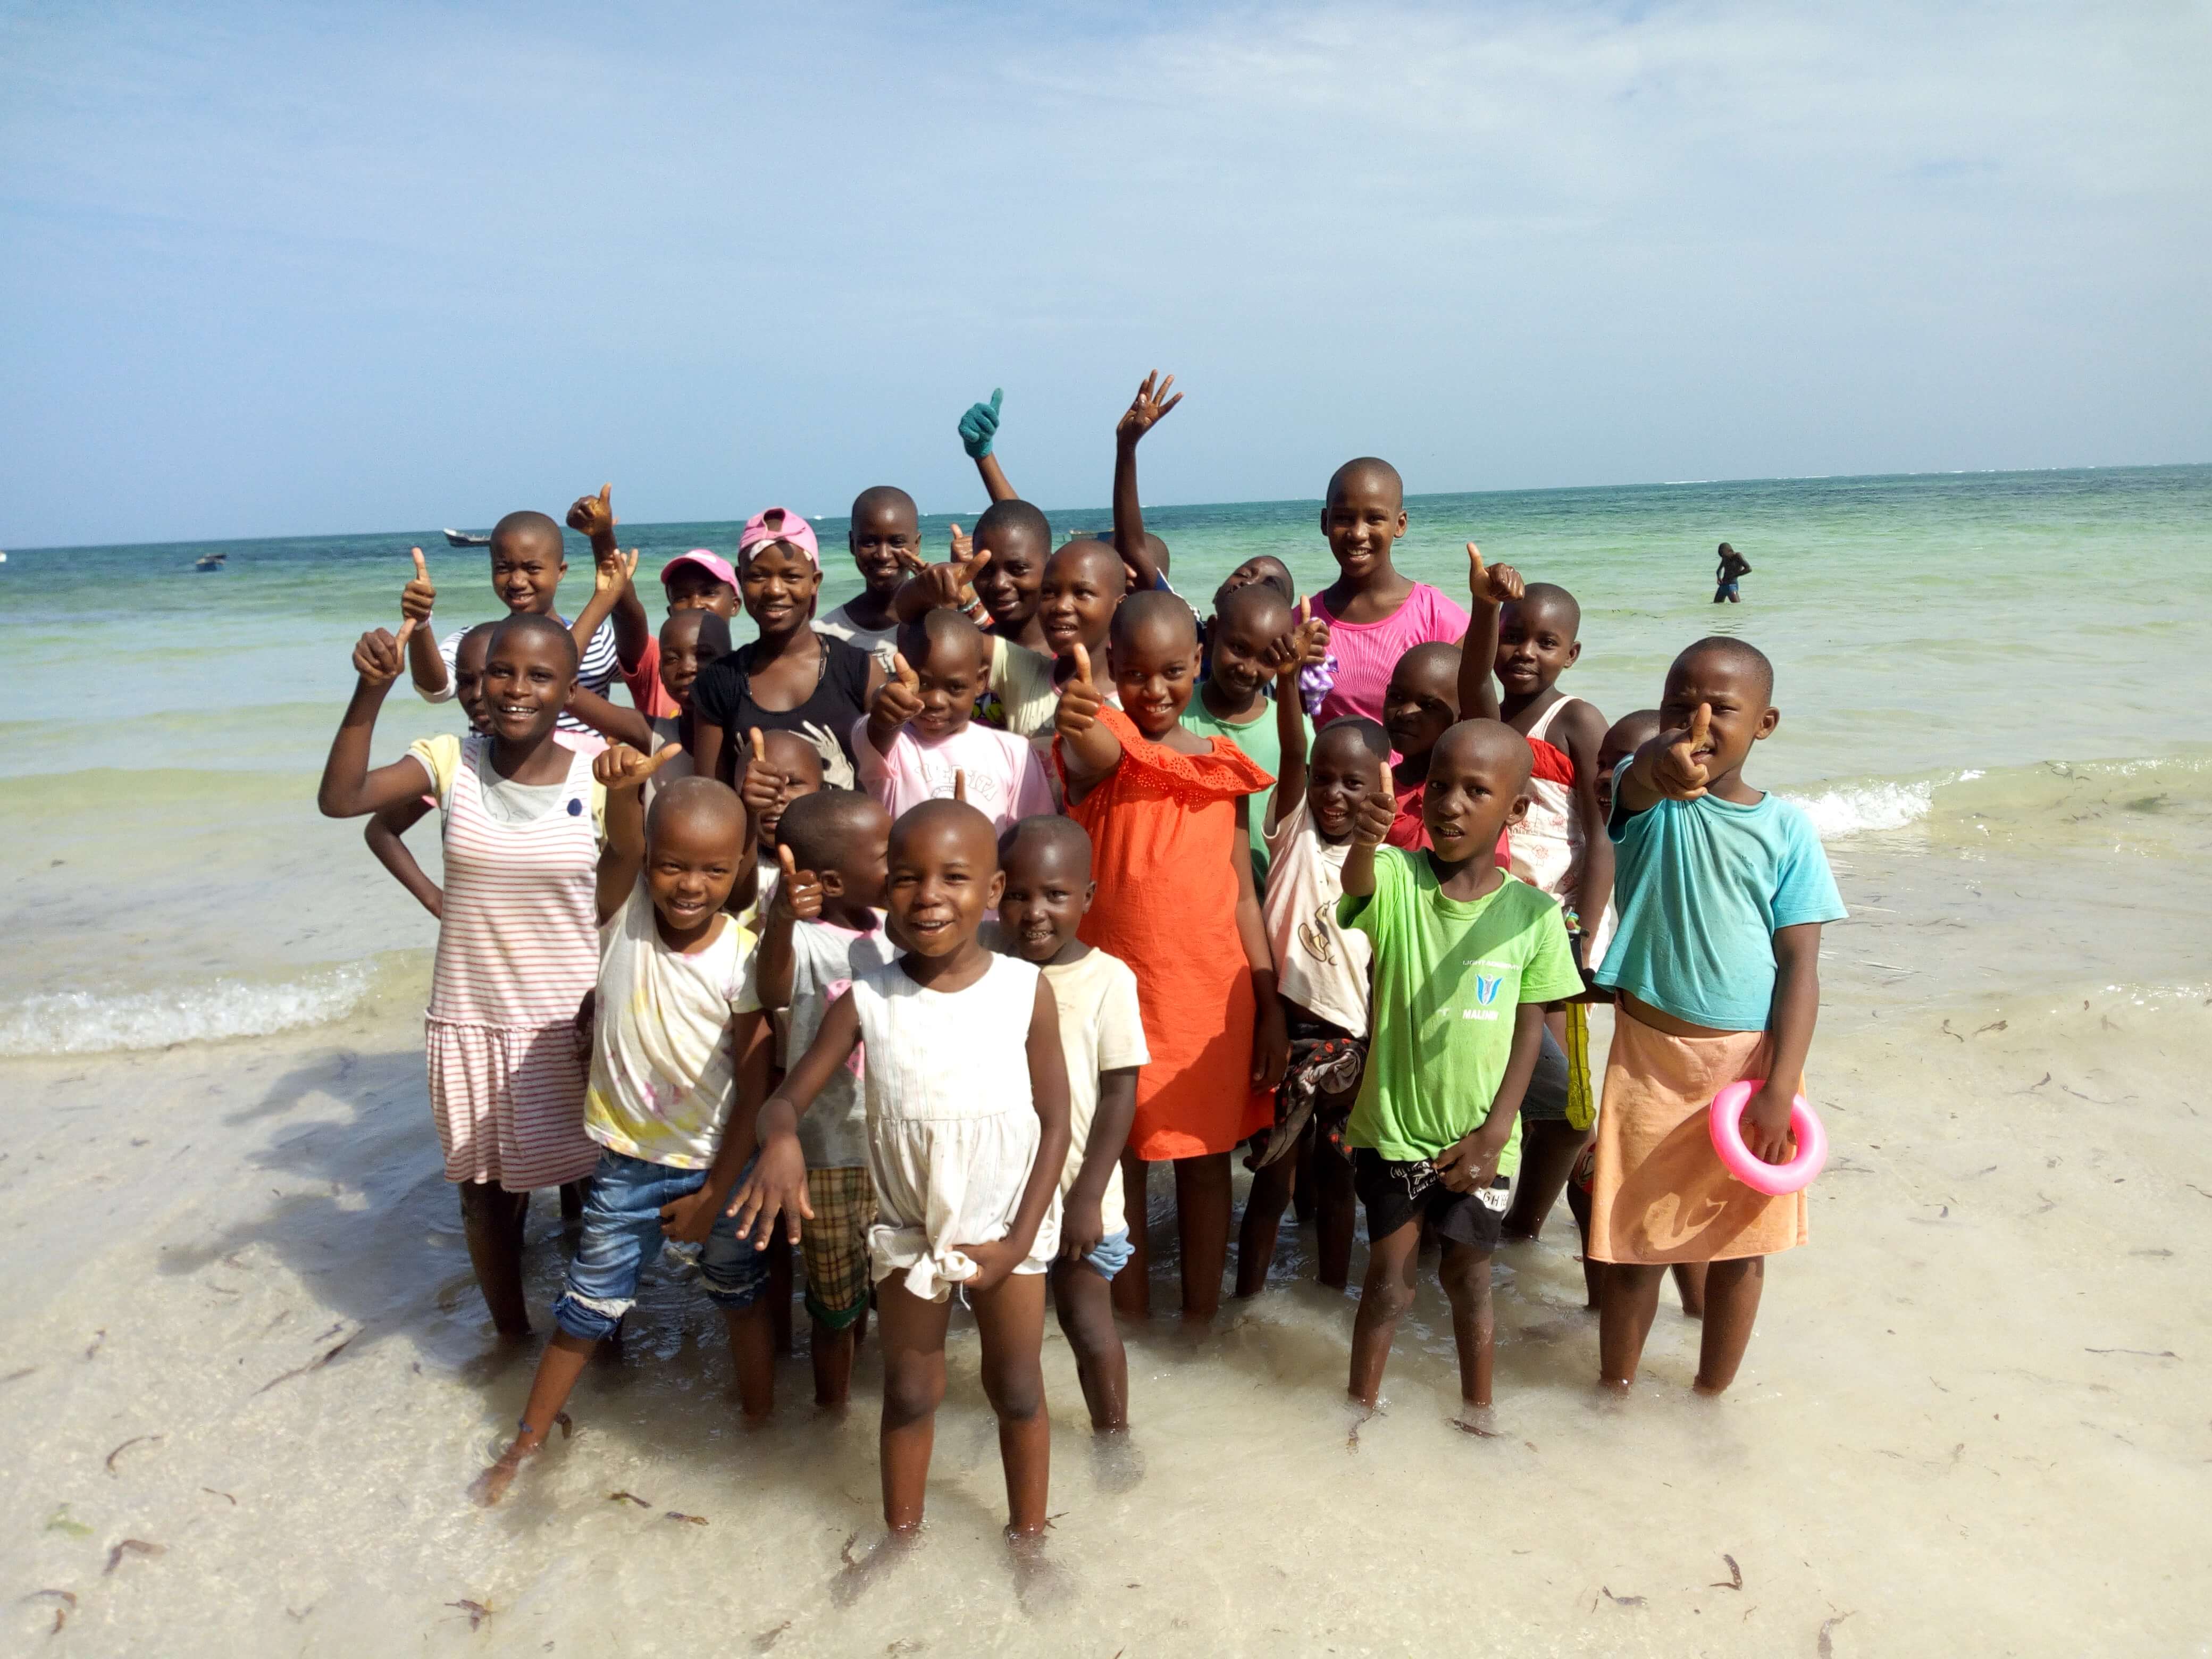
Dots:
pixel 1385 1189
pixel 1546 1099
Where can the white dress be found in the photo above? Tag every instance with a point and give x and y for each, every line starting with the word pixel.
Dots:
pixel 952 1130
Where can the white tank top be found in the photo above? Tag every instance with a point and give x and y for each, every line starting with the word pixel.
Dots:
pixel 1547 844
pixel 938 1055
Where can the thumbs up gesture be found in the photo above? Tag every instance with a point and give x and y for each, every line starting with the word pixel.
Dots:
pixel 1080 699
pixel 799 892
pixel 418 596
pixel 760 788
pixel 379 654
pixel 1491 585
pixel 980 425
pixel 621 767
pixel 1378 808
pixel 594 516
pixel 1682 774
pixel 897 702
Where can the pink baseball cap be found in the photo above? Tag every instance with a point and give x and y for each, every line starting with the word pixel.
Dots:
pixel 708 561
pixel 788 527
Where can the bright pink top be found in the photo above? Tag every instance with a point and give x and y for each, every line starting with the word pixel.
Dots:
pixel 1367 652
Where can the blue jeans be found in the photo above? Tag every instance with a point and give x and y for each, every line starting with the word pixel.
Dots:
pixel 622 1238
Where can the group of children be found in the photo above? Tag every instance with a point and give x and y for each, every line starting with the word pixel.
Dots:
pixel 913 935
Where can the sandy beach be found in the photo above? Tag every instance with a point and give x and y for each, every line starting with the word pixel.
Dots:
pixel 245 1336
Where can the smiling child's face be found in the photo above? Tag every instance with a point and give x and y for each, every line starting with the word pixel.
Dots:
pixel 1421 702
pixel 951 677
pixel 798 763
pixel 1243 628
pixel 1536 644
pixel 694 587
pixel 1010 583
pixel 526 565
pixel 528 680
pixel 468 678
pixel 881 531
pixel 1048 889
pixel 1343 772
pixel 1155 671
pixel 944 877
pixel 779 583
pixel 1083 583
pixel 691 858
pixel 1365 515
pixel 681 658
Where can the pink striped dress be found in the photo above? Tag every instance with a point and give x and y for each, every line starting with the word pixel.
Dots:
pixel 518 948
pixel 1366 652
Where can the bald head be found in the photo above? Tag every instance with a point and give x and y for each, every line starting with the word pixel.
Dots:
pixel 697 810
pixel 1047 842
pixel 1256 608
pixel 936 828
pixel 1739 659
pixel 942 636
pixel 821 828
pixel 707 633
pixel 527 527
pixel 1488 743
pixel 542 631
pixel 1431 663
pixel 1347 738
pixel 1010 525
pixel 1372 471
pixel 886 501
pixel 1551 603
pixel 1159 620
pixel 1096 558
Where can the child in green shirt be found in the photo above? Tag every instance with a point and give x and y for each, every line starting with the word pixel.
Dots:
pixel 1465 957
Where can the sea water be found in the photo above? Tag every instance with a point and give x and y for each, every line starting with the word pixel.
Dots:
pixel 1942 643
pixel 254 1379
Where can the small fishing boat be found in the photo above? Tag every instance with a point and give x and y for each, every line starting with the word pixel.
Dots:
pixel 209 561
pixel 456 538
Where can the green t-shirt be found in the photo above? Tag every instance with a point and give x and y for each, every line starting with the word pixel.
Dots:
pixel 1448 974
pixel 1263 746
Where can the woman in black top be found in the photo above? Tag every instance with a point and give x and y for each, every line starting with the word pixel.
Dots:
pixel 790 678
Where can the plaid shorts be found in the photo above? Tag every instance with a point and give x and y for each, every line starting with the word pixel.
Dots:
pixel 834 1244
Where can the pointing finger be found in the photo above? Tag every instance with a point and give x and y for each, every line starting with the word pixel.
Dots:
pixel 908 559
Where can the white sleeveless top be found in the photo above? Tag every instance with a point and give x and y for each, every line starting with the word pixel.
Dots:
pixel 1547 844
pixel 952 1126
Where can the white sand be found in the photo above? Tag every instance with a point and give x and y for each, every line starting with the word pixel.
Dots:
pixel 1973 1418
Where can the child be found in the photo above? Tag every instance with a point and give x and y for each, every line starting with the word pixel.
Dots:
pixel 679 1062
pixel 1322 972
pixel 1465 957
pixel 1249 624
pixel 1560 849
pixel 782 767
pixel 1260 567
pixel 386 828
pixel 823 928
pixel 689 640
pixel 885 534
pixel 1020 696
pixel 790 678
pixel 920 734
pixel 1083 582
pixel 1721 892
pixel 967 1115
pixel 1102 1034
pixel 1375 614
pixel 529 880
pixel 1166 810
pixel 700 579
pixel 527 563
pixel 1732 566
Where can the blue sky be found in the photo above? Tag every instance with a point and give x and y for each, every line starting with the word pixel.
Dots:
pixel 291 269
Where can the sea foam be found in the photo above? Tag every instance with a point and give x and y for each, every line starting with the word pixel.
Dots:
pixel 89 1021
pixel 1855 809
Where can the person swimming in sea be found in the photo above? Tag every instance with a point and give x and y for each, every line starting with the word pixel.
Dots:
pixel 1732 565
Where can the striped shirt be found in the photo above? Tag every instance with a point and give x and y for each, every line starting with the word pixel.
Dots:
pixel 594 673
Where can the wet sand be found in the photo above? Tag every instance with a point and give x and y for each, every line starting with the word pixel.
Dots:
pixel 1974 1417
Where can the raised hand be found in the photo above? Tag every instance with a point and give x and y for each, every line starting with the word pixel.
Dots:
pixel 379 654
pixel 613 575
pixel 948 586
pixel 1079 700
pixel 1378 808
pixel 418 596
pixel 1491 584
pixel 621 767
pixel 1680 773
pixel 762 786
pixel 900 699
pixel 595 515
pixel 799 892
pixel 1146 407
pixel 1304 643
pixel 980 425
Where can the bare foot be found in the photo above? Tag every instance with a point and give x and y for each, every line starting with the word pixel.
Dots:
pixel 1041 1584
pixel 1480 1421
pixel 864 1569
pixel 1116 1462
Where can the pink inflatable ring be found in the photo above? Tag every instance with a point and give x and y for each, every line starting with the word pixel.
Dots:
pixel 1724 1121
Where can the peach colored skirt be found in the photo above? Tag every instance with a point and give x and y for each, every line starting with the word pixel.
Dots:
pixel 1659 1192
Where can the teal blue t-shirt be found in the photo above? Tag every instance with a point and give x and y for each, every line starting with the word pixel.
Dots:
pixel 1700 888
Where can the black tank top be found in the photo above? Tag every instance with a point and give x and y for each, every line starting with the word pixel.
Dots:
pixel 724 696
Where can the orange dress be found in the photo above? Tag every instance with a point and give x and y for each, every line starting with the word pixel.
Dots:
pixel 1161 825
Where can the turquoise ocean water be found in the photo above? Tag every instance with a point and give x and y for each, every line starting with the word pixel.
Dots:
pixel 1969 666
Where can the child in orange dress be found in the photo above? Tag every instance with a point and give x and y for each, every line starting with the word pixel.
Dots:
pixel 1166 810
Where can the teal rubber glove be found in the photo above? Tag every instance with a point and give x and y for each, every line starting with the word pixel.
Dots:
pixel 980 425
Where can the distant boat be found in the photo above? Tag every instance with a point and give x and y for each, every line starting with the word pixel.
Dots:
pixel 460 540
pixel 209 561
